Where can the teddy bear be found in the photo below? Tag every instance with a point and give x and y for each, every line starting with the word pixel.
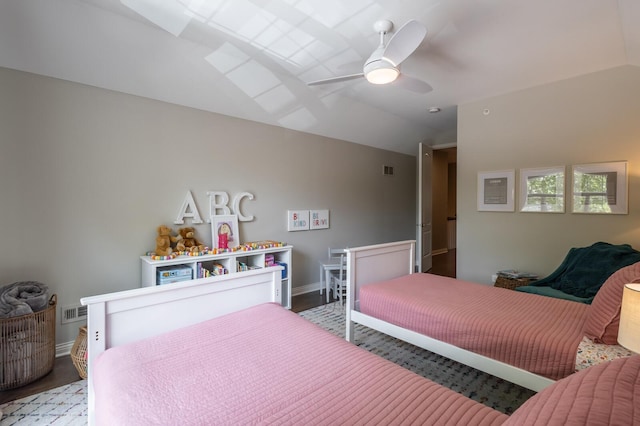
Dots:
pixel 188 241
pixel 164 241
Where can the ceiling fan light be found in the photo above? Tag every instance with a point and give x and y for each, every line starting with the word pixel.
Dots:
pixel 382 75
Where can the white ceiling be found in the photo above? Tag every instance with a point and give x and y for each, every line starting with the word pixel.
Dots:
pixel 252 58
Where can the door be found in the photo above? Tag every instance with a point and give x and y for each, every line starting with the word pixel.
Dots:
pixel 423 234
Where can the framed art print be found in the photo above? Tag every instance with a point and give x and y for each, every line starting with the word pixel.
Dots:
pixel 224 231
pixel 496 191
pixel 297 220
pixel 542 190
pixel 600 188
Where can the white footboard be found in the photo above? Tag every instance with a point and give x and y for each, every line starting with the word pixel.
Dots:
pixel 118 318
pixel 371 264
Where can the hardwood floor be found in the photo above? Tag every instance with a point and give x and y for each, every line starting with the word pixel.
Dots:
pixel 64 372
pixel 445 264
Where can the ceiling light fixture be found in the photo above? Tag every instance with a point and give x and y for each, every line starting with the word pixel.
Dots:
pixel 383 66
pixel 434 110
pixel 380 72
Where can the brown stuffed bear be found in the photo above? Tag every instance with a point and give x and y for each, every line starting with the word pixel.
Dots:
pixel 188 241
pixel 164 240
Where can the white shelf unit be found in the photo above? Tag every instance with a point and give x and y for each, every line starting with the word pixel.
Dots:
pixel 229 260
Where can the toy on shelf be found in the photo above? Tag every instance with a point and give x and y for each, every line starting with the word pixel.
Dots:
pixel 201 250
pixel 188 242
pixel 264 244
pixel 164 240
pixel 154 256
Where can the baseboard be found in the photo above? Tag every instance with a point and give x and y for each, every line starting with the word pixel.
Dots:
pixel 63 349
pixel 309 288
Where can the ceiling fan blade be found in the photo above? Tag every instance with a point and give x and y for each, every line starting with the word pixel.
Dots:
pixel 404 42
pixel 413 84
pixel 336 79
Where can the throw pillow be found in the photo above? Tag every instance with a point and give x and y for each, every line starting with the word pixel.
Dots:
pixel 603 316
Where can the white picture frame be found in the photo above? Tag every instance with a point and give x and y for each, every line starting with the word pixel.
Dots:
pixel 297 220
pixel 225 224
pixel 318 219
pixel 496 191
pixel 600 188
pixel 542 190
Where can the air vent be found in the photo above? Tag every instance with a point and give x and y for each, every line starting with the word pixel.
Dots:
pixel 387 170
pixel 73 313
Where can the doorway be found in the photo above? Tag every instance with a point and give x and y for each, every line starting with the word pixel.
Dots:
pixel 444 209
pixel 437 209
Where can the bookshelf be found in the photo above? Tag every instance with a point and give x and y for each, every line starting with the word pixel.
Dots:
pixel 187 268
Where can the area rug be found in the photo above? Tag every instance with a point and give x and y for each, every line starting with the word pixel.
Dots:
pixel 65 405
pixel 477 385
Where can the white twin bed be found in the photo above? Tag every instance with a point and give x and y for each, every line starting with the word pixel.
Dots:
pixel 526 339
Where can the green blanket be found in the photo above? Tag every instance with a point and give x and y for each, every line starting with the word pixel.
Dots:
pixel 585 269
pixel 552 292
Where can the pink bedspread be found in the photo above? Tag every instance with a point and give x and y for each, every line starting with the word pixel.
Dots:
pixel 539 334
pixel 267 365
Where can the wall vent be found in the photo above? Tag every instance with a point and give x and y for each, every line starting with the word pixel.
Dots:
pixel 387 170
pixel 73 313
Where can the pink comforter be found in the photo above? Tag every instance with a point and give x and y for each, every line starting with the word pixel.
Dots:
pixel 539 334
pixel 267 365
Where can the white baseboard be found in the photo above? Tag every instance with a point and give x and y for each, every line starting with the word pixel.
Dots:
pixel 439 251
pixel 63 349
pixel 309 288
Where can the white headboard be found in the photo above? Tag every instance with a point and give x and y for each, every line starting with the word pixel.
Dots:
pixel 375 263
pixel 119 318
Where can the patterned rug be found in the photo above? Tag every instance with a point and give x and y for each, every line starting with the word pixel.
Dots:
pixel 67 405
pixel 482 387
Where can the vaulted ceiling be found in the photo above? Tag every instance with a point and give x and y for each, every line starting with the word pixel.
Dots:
pixel 252 58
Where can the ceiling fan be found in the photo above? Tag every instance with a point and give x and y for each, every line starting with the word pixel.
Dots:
pixel 383 66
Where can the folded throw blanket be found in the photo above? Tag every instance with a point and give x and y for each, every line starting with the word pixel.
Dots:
pixel 23 298
pixel 585 269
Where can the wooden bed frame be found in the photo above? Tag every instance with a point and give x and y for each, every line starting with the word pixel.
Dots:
pixel 123 317
pixel 371 264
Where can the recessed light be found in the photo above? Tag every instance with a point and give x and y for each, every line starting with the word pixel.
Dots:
pixel 433 110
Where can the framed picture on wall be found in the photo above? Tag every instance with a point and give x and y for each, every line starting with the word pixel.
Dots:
pixel 600 188
pixel 224 231
pixel 542 190
pixel 496 191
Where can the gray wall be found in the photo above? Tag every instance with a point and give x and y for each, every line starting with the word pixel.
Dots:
pixel 88 174
pixel 588 119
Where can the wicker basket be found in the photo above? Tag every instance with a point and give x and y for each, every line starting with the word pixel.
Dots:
pixel 79 352
pixel 511 283
pixel 27 346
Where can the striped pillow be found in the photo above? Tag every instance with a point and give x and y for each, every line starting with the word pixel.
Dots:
pixel 605 394
pixel 603 316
